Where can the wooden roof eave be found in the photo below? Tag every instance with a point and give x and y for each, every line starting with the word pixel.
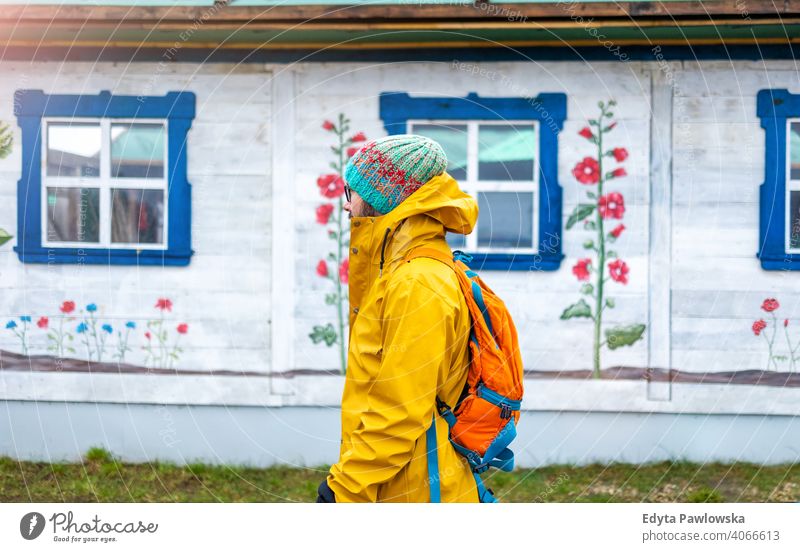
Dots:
pixel 500 13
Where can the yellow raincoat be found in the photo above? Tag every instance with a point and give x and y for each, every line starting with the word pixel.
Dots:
pixel 409 327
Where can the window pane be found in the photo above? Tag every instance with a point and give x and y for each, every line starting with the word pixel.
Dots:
pixel 137 150
pixel 73 215
pixel 453 139
pixel 505 219
pixel 73 149
pixel 794 220
pixel 794 150
pixel 506 152
pixel 137 216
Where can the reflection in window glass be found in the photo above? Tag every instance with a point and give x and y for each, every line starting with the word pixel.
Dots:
pixel 794 151
pixel 73 149
pixel 505 219
pixel 73 215
pixel 794 220
pixel 137 216
pixel 137 150
pixel 453 139
pixel 506 152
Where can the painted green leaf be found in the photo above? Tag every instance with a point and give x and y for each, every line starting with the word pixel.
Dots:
pixel 581 309
pixel 591 225
pixel 4 236
pixel 588 244
pixel 323 333
pixel 611 253
pixel 591 195
pixel 622 336
pixel 593 122
pixel 610 303
pixel 581 211
pixel 587 289
pixel 330 298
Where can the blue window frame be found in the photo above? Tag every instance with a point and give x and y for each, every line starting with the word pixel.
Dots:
pixel 505 152
pixel 779 195
pixel 104 178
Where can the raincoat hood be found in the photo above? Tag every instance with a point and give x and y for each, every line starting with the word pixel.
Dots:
pixel 377 244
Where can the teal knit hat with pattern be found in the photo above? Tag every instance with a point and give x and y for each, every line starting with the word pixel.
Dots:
pixel 386 171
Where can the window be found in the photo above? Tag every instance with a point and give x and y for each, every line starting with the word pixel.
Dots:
pixel 793 188
pixel 495 162
pixel 104 178
pixel 503 152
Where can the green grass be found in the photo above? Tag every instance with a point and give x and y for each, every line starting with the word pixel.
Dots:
pixel 102 478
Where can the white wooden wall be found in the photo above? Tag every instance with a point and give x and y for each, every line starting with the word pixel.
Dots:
pixel 696 148
pixel 224 294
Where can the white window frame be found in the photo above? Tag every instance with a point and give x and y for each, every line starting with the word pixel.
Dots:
pixel 473 186
pixel 104 182
pixel 790 186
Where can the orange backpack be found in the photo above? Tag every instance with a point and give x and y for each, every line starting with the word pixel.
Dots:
pixel 483 423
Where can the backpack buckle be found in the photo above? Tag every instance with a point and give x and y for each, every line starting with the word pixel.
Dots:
pixel 459 255
pixel 505 412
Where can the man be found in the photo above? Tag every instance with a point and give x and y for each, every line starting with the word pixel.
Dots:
pixel 409 326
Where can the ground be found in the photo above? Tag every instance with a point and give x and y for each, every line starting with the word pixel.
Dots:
pixel 100 478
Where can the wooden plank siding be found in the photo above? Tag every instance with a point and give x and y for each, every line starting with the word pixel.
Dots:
pixel 251 295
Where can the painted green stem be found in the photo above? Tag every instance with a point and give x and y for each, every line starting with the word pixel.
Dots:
pixel 601 252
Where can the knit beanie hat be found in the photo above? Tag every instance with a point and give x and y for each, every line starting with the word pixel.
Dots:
pixel 386 171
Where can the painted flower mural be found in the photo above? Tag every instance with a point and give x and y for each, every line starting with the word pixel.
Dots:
pixel 96 335
pixel 769 331
pixel 336 266
pixel 601 207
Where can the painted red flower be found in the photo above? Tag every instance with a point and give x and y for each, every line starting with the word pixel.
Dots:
pixel 322 268
pixel 611 205
pixel 42 322
pixel 581 269
pixel 164 304
pixel 759 325
pixel 620 154
pixel 147 335
pixel 183 328
pixel 619 172
pixel 611 126
pixel 351 151
pixel 618 230
pixel 330 185
pixel 586 132
pixel 618 271
pixel 359 137
pixel 344 271
pixel 324 213
pixel 785 322
pixel 587 171
pixel 67 307
pixel 770 305
pixel 327 125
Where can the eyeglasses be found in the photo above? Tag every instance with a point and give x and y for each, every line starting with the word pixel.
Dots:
pixel 347 192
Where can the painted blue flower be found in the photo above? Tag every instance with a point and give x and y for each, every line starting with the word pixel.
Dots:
pixel 82 327
pixel 11 325
pixel 91 307
pixel 107 328
pixel 131 325
pixel 25 318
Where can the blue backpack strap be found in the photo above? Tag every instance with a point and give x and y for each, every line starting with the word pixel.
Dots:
pixel 433 461
pixel 484 494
